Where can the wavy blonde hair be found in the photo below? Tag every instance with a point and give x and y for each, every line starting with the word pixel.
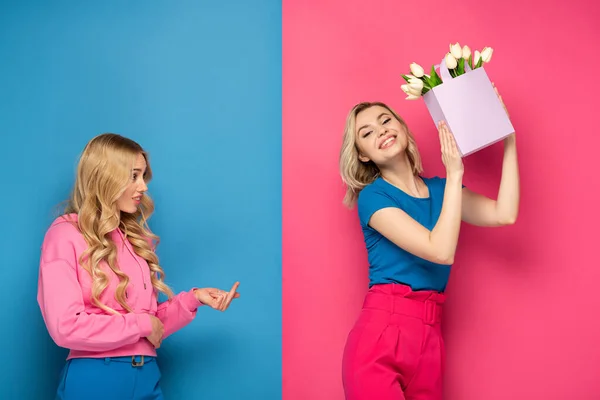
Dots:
pixel 103 174
pixel 357 174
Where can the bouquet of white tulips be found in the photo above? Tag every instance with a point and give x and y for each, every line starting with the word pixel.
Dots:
pixel 463 95
pixel 458 60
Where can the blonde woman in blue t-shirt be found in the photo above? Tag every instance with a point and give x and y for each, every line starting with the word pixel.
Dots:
pixel 410 225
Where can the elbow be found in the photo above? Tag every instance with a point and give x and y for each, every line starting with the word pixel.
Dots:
pixel 505 217
pixel 447 261
pixel 65 335
pixel 444 259
pixel 61 340
pixel 506 221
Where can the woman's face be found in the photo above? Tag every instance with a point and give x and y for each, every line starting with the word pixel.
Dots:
pixel 132 196
pixel 379 135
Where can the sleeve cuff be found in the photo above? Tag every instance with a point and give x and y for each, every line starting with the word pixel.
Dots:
pixel 145 324
pixel 189 300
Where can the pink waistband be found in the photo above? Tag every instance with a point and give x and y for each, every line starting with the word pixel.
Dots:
pixel 401 299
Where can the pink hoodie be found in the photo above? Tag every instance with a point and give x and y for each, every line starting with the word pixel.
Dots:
pixel 64 297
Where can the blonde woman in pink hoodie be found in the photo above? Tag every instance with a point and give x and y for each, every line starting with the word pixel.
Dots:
pixel 99 279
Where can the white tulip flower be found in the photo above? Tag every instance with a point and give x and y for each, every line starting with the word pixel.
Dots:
pixel 486 54
pixel 416 83
pixel 476 58
pixel 417 70
pixel 466 52
pixel 415 89
pixel 451 62
pixel 456 51
pixel 411 89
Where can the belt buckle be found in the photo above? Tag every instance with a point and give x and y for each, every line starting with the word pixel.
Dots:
pixel 135 363
pixel 430 312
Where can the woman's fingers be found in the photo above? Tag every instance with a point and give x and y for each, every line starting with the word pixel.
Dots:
pixel 446 140
pixel 453 146
pixel 231 295
pixel 220 299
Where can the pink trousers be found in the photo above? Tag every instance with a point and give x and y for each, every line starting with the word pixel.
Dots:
pixel 395 350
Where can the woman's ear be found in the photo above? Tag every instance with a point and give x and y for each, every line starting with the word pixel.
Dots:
pixel 363 158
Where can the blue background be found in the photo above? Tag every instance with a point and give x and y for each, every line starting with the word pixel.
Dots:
pixel 198 84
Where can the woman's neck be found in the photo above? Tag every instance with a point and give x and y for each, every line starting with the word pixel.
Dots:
pixel 400 174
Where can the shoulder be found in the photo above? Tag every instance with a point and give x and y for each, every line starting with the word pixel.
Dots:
pixel 436 183
pixel 63 236
pixel 63 241
pixel 372 198
pixel 64 226
pixel 374 189
pixel 435 180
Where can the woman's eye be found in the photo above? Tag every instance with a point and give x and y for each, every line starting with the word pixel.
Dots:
pixel 385 121
pixel 367 134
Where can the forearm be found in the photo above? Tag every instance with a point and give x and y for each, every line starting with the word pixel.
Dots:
pixel 507 204
pixel 178 312
pixel 444 236
pixel 68 323
pixel 91 332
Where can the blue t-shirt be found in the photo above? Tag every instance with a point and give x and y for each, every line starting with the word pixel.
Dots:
pixel 389 263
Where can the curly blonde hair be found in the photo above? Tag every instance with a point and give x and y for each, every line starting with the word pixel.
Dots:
pixel 357 174
pixel 103 173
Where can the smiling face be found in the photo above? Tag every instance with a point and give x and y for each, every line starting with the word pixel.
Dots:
pixel 380 137
pixel 132 196
pixel 375 136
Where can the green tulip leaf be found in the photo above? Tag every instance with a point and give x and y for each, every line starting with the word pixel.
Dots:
pixel 460 69
pixel 435 77
pixel 428 81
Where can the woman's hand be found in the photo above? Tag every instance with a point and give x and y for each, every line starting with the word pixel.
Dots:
pixel 216 298
pixel 450 155
pixel 158 331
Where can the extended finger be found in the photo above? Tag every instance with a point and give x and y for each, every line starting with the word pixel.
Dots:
pixel 229 300
pixel 451 142
pixel 441 133
pixel 231 295
pixel 445 139
pixel 453 146
pixel 234 288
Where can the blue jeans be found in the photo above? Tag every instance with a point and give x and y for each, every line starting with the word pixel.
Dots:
pixel 115 378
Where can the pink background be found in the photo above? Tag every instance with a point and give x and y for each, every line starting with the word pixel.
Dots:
pixel 522 319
